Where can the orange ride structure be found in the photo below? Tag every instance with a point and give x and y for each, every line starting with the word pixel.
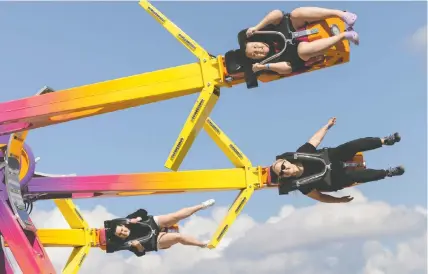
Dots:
pixel 22 186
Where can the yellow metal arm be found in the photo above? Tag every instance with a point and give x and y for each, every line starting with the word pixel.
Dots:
pixel 62 237
pixel 99 98
pixel 201 110
pixel 81 237
pixel 241 200
pixel 175 31
pixel 231 150
pixel 71 213
pixel 213 77
pixel 76 259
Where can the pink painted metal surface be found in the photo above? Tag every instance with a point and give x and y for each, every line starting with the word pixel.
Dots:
pixel 5 265
pixel 29 253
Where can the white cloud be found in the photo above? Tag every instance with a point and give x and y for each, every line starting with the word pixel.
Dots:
pixel 407 258
pixel 362 237
pixel 418 41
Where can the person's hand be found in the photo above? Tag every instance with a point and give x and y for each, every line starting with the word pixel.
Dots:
pixel 346 199
pixel 135 243
pixel 135 220
pixel 331 122
pixel 258 67
pixel 250 31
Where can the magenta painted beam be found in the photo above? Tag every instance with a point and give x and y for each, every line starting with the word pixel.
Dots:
pixel 5 266
pixel 28 252
pixel 89 184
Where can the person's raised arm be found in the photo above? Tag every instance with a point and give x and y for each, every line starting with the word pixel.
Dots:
pixel 324 198
pixel 320 134
pixel 274 17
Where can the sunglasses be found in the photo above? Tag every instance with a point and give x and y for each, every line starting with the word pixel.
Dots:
pixel 281 171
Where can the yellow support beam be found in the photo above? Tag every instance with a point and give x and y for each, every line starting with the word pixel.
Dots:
pixel 213 76
pixel 71 213
pixel 81 237
pixel 103 97
pixel 253 178
pixel 195 121
pixel 231 150
pixel 174 30
pixel 76 259
pixel 62 237
pixel 231 216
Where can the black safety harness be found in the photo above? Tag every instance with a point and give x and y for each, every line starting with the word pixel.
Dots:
pixel 282 30
pixel 149 241
pixel 324 175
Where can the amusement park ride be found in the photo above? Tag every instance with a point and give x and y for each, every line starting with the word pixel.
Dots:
pixel 22 185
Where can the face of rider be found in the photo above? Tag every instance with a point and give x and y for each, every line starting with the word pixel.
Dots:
pixel 256 50
pixel 122 231
pixel 284 168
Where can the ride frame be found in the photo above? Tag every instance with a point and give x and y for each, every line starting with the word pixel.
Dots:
pixel 49 108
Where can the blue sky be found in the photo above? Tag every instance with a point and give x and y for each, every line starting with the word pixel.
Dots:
pixel 382 90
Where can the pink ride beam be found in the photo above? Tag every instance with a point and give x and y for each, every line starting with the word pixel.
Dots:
pixel 106 185
pixel 29 253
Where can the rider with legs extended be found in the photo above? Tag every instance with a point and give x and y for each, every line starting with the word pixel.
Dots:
pixel 284 171
pixel 300 53
pixel 130 233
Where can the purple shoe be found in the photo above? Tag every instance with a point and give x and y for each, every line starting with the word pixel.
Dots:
pixel 349 18
pixel 352 36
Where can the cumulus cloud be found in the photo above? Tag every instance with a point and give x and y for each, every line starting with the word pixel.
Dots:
pixel 362 237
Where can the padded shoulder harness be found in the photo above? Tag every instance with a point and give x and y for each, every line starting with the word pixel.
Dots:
pixel 112 245
pixel 325 175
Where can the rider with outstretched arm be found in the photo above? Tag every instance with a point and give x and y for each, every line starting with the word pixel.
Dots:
pixel 126 233
pixel 285 171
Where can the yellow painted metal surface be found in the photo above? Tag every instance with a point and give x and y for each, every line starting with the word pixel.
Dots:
pixel 231 150
pixel 80 237
pixel 194 123
pixel 71 213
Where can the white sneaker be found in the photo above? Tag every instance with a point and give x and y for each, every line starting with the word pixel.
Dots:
pixel 208 203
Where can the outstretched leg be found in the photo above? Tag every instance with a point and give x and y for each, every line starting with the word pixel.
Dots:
pixel 307 50
pixel 173 218
pixel 370 175
pixel 300 16
pixel 346 151
pixel 169 239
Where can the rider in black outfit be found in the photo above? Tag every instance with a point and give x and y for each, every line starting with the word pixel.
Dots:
pixel 301 53
pixel 141 233
pixel 284 171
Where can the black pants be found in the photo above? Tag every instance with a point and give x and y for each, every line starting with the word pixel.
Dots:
pixel 346 152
